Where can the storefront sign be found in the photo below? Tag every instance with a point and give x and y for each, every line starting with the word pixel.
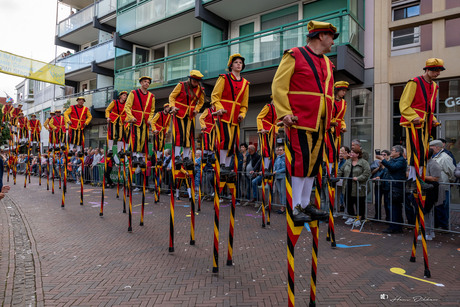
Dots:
pixel 452 102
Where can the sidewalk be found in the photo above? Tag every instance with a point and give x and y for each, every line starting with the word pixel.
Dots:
pixel 81 259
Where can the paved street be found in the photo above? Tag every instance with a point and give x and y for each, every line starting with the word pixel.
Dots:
pixel 72 257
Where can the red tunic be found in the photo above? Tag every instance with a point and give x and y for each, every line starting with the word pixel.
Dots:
pixel 117 112
pixel 141 108
pixel 232 98
pixel 185 102
pixel 310 88
pixel 78 117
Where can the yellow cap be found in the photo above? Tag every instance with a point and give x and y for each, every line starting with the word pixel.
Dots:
pixel 196 74
pixel 145 77
pixel 234 57
pixel 434 64
pixel 56 111
pixel 81 97
pixel 122 92
pixel 33 115
pixel 166 105
pixel 52 112
pixel 315 27
pixel 19 104
pixel 341 85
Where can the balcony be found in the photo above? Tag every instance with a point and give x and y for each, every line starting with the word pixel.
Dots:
pixel 99 98
pixel 150 22
pixel 262 50
pixel 103 53
pixel 78 28
pixel 105 7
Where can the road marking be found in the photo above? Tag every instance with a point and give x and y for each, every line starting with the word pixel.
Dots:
pixel 369 233
pixel 350 246
pixel 402 272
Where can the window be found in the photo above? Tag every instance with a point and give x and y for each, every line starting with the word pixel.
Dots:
pixel 141 55
pixel 361 116
pixel 407 39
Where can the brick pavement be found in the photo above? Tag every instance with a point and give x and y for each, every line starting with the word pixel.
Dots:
pixel 83 260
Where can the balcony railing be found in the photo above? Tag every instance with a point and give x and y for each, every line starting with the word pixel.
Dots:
pixel 261 50
pixel 149 12
pixel 99 98
pixel 76 21
pixel 105 7
pixel 99 53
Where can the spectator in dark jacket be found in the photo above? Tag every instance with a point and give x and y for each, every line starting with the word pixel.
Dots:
pixel 396 167
pixel 253 169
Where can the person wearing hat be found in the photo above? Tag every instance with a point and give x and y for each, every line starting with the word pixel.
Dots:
pixel 140 108
pixel 47 127
pixel 441 210
pixel 208 131
pixel 338 124
pixel 417 107
pixel 6 110
pixel 77 117
pixel 57 125
pixel 14 114
pixel 230 97
pixel 115 114
pixel 266 125
pixel 34 127
pixel 185 102
pixel 23 127
pixel 303 87
pixel 160 126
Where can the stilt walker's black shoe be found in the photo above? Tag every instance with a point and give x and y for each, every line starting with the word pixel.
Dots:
pixel 315 213
pixel 299 217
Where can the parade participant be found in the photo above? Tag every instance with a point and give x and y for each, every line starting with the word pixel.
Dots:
pixel 160 126
pixel 140 108
pixel 23 128
pixel 47 127
pixel 338 124
pixel 231 93
pixel 266 125
pixel 77 117
pixel 115 114
pixel 6 110
pixel 208 133
pixel 417 107
pixel 185 102
pixel 57 124
pixel 303 87
pixel 35 127
pixel 14 114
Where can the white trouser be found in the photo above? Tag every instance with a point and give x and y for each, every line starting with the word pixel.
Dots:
pixel 224 159
pixel 301 190
pixel 71 146
pixel 110 144
pixel 413 173
pixel 186 151
pixel 267 162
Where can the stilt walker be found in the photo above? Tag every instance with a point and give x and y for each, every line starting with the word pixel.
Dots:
pixel 50 141
pixel 130 179
pixel 417 107
pixel 101 213
pixel 65 163
pixel 123 165
pixel 297 83
pixel 267 129
pixel 22 124
pixel 140 108
pixel 35 129
pixel 216 167
pixel 78 117
pixel 171 201
pixel 116 116
pixel 160 126
pixel 262 146
pixel 208 141
pixel 230 98
pixel 58 125
pixel 185 102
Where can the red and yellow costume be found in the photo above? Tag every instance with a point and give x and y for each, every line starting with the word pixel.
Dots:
pixel 6 110
pixel 116 112
pixel 57 125
pixel 231 95
pixel 304 86
pixel 186 99
pixel 338 114
pixel 160 123
pixel 35 127
pixel 23 127
pixel 14 114
pixel 208 131
pixel 141 107
pixel 266 120
pixel 47 127
pixel 418 100
pixel 77 118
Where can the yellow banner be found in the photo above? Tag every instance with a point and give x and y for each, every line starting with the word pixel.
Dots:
pixel 31 69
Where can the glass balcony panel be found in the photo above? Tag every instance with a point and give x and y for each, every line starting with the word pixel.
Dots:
pixel 150 12
pixel 123 3
pixel 102 98
pixel 262 49
pixel 76 21
pixel 105 7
